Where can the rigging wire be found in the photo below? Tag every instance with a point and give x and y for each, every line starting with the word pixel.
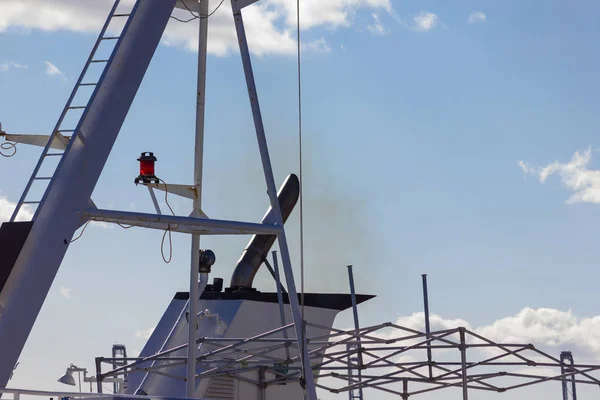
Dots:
pixel 300 178
pixel 8 146
pixel 300 161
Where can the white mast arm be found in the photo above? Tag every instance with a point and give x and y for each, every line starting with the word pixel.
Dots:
pixel 59 142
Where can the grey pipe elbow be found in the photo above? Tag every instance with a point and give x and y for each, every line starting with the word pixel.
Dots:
pixel 257 249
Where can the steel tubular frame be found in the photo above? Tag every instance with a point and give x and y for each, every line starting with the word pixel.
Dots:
pixel 392 360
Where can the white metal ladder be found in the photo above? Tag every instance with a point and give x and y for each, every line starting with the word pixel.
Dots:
pixel 58 140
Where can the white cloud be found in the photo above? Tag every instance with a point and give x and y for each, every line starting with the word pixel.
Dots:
pixel 528 169
pixel 66 292
pixel 7 207
pixel 103 225
pixel 330 13
pixel 51 69
pixel 144 333
pixel 426 21
pixel 376 27
pixel 551 329
pixel 575 176
pixel 437 323
pixel 548 329
pixel 7 66
pixel 477 16
pixel 317 46
pixel 270 24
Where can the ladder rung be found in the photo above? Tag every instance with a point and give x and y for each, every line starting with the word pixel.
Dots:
pixel 53 154
pixel 88 84
pixel 110 38
pixel 121 15
pixel 99 61
pixel 42 178
pixel 75 107
pixel 31 202
pixel 65 130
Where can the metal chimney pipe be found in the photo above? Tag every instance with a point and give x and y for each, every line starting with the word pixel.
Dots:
pixel 257 249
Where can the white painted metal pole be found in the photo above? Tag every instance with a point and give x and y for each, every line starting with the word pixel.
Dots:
pixel 193 311
pixel 198 160
pixel 310 389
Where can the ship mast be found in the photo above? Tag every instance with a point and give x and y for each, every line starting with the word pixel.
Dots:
pixel 197 201
pixel 38 246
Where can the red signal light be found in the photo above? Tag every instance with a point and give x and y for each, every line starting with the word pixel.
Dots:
pixel 147 161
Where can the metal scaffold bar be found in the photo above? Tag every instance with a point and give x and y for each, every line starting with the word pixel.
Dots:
pixel 258 353
pixel 427 326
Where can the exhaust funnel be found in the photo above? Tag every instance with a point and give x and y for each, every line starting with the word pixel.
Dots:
pixel 258 247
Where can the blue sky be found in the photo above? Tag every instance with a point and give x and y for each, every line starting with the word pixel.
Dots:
pixel 416 115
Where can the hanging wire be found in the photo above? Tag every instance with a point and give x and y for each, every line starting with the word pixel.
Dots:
pixel 197 16
pixel 162 242
pixel 8 146
pixel 185 21
pixel 168 230
pixel 83 230
pixel 162 246
pixel 87 223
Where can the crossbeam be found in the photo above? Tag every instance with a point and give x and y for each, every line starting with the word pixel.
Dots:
pixel 204 226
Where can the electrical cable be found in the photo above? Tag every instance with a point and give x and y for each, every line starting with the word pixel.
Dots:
pixel 8 146
pixel 197 16
pixel 166 196
pixel 190 11
pixel 210 14
pixel 184 21
pixel 83 230
pixel 162 246
pixel 168 230
pixel 86 224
